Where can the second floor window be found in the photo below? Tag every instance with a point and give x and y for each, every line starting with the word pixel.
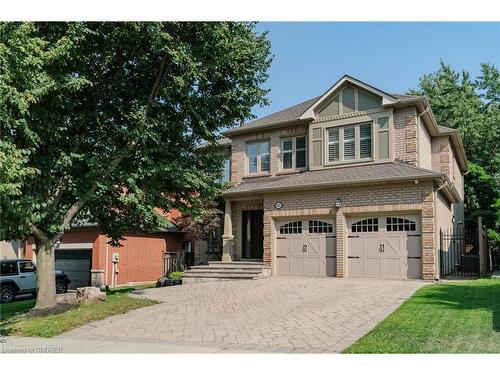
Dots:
pixel 350 143
pixel 258 157
pixel 293 153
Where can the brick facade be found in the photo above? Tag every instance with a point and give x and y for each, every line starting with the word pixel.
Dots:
pixel 404 197
pixel 239 145
pixel 405 135
pixel 140 256
pixel 409 144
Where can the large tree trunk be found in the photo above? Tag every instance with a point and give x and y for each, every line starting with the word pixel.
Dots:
pixel 46 284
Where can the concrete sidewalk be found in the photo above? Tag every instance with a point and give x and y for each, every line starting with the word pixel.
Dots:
pixel 16 344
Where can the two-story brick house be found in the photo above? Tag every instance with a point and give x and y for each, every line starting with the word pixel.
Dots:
pixel 355 182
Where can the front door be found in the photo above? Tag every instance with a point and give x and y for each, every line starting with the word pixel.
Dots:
pixel 253 234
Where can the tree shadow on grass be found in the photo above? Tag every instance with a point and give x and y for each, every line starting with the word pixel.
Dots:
pixel 467 296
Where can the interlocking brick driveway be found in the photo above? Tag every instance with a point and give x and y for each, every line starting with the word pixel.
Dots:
pixel 276 314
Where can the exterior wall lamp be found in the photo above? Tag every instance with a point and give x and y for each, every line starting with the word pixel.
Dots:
pixel 338 203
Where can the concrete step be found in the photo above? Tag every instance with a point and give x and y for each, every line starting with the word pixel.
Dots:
pixel 227 267
pixel 244 262
pixel 225 275
pixel 222 270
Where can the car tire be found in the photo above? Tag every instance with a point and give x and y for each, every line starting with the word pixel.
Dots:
pixel 61 287
pixel 7 294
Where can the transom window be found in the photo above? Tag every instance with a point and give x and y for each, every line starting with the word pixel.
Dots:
pixel 366 225
pixel 316 226
pixel 294 227
pixel 258 157
pixel 293 152
pixel 348 143
pixel 399 224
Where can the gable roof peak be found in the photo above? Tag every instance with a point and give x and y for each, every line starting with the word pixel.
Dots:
pixel 386 98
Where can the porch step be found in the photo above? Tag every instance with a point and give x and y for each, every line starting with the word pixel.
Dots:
pixel 224 271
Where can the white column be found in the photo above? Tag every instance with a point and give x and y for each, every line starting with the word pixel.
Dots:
pixel 227 237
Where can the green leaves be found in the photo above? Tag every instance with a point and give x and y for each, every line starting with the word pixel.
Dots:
pixel 75 96
pixel 473 107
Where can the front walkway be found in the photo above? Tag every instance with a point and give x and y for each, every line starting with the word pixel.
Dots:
pixel 276 314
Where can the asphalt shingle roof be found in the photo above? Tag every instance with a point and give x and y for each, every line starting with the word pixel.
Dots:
pixel 285 115
pixel 333 176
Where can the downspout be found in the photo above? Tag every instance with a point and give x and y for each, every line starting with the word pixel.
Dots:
pixel 107 264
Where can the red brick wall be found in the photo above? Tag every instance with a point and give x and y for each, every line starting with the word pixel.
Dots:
pixel 141 257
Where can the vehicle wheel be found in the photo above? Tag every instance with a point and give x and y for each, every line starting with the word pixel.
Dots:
pixel 7 294
pixel 61 287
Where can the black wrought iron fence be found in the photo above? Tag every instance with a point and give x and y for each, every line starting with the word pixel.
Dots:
pixel 459 252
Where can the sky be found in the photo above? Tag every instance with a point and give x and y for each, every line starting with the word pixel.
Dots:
pixel 309 57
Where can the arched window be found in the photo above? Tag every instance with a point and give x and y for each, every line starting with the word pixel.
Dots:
pixel 316 226
pixel 294 227
pixel 398 224
pixel 366 225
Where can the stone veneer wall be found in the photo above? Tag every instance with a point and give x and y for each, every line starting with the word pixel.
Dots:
pixel 363 199
pixel 239 143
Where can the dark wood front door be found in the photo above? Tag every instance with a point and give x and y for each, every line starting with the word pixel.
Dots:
pixel 253 234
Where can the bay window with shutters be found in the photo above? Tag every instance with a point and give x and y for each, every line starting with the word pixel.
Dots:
pixel 293 153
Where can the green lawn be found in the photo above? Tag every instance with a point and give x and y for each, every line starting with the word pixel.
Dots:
pixel 14 322
pixel 458 317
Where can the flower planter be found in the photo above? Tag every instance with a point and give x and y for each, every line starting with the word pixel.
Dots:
pixel 177 282
pixel 167 282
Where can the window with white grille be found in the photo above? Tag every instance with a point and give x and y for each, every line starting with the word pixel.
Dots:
pixel 317 226
pixel 293 153
pixel 294 227
pixel 366 225
pixel 399 224
pixel 350 143
pixel 258 157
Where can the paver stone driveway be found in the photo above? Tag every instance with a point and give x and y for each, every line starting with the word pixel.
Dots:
pixel 274 314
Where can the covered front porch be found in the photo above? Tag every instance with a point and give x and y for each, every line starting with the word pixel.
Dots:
pixel 243 238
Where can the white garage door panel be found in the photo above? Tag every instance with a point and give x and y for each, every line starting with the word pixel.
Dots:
pixel 306 247
pixel 385 247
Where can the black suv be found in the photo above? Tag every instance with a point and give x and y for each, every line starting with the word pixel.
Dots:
pixel 19 277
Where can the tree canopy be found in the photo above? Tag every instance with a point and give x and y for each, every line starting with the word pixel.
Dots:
pixel 472 105
pixel 103 121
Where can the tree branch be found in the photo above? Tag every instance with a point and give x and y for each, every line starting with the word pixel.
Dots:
pixel 37 232
pixel 73 210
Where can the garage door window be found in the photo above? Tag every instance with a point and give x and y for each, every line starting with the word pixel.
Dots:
pixel 398 224
pixel 316 226
pixel 294 227
pixel 366 225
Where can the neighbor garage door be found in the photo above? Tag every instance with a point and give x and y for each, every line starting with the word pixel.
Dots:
pixel 385 247
pixel 306 247
pixel 76 264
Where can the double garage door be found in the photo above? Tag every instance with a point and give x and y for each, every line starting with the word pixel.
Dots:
pixel 377 246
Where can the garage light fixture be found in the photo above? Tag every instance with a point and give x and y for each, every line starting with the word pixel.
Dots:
pixel 338 203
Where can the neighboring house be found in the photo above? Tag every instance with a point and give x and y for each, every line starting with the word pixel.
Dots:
pixel 85 255
pixel 9 249
pixel 354 183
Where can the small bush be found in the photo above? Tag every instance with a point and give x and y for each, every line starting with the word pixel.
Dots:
pixel 176 275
